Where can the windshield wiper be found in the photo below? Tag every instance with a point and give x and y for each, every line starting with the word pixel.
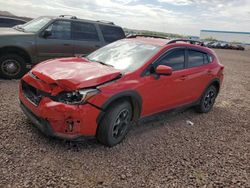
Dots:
pixel 103 63
pixel 19 28
pixel 99 62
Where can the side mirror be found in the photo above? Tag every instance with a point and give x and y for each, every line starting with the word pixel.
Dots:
pixel 163 70
pixel 46 34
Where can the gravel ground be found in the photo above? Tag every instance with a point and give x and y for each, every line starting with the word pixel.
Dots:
pixel 162 151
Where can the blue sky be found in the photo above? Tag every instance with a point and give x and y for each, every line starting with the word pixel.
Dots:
pixel 172 16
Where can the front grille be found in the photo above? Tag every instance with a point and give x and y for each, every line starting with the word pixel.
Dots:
pixel 31 93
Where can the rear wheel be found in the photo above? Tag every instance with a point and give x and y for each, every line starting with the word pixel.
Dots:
pixel 12 66
pixel 207 100
pixel 115 124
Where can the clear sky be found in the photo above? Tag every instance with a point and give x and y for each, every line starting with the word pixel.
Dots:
pixel 172 16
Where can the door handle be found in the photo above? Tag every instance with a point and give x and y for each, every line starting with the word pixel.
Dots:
pixel 65 44
pixel 97 46
pixel 183 77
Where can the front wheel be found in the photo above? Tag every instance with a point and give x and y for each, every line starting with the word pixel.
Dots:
pixel 115 124
pixel 12 66
pixel 207 100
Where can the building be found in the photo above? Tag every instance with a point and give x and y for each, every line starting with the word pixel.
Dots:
pixel 227 36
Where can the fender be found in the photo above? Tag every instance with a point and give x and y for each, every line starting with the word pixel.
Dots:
pixel 136 102
pixel 19 50
pixel 215 80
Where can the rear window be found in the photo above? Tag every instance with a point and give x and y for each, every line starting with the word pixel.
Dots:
pixel 84 31
pixel 111 33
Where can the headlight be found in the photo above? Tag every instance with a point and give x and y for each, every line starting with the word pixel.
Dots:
pixel 76 97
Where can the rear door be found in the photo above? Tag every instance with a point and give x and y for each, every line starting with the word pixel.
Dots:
pixel 199 73
pixel 58 44
pixel 86 37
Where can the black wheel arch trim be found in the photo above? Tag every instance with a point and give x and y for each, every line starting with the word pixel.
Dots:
pixel 136 103
pixel 22 52
pixel 215 80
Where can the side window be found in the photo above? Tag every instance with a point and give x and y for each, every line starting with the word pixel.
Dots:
pixel 210 58
pixel 175 59
pixel 4 22
pixel 84 31
pixel 17 22
pixel 60 30
pixel 111 33
pixel 196 58
pixel 206 58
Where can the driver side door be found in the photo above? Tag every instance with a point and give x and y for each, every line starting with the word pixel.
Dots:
pixel 58 43
pixel 161 92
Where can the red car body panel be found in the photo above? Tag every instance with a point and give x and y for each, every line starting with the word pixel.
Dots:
pixel 59 114
pixel 74 73
pixel 182 87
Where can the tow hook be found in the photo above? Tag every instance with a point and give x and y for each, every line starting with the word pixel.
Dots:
pixel 70 124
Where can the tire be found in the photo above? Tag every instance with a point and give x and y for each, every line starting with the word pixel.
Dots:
pixel 208 99
pixel 12 66
pixel 115 124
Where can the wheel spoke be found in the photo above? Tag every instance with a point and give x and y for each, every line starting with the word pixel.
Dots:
pixel 121 123
pixel 10 67
pixel 124 114
pixel 209 99
pixel 118 121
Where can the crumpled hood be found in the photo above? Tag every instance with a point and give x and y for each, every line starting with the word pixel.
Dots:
pixel 74 73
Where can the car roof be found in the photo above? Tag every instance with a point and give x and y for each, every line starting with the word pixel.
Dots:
pixel 151 40
pixel 74 18
pixel 164 42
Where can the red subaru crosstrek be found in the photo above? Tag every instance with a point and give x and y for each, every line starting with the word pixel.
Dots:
pixel 100 94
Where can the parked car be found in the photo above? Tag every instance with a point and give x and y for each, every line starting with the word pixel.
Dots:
pixel 101 94
pixel 213 44
pixel 217 45
pixel 208 44
pixel 237 47
pixel 51 37
pixel 224 45
pixel 10 22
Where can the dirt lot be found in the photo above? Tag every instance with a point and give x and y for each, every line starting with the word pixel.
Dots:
pixel 162 151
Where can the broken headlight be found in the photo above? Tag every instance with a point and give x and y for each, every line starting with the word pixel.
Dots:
pixel 76 97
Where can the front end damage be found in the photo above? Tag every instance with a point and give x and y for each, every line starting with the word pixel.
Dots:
pixel 53 118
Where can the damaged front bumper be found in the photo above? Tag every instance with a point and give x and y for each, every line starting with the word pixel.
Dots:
pixel 45 127
pixel 55 119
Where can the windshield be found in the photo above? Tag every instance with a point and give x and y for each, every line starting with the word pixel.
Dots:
pixel 35 25
pixel 124 54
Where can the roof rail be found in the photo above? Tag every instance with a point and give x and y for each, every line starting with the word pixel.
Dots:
pixel 145 35
pixel 107 22
pixel 71 17
pixel 197 42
